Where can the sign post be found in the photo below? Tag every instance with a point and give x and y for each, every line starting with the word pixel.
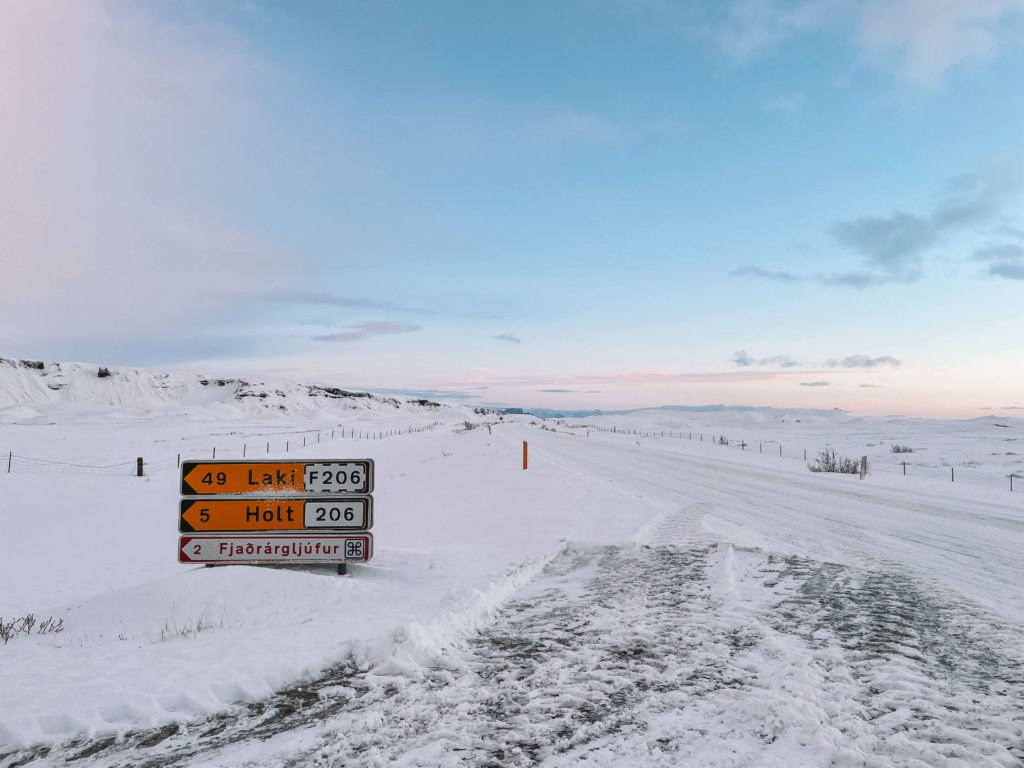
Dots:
pixel 275 549
pixel 202 478
pixel 276 512
pixel 223 514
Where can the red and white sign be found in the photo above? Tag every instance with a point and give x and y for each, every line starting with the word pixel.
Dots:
pixel 276 549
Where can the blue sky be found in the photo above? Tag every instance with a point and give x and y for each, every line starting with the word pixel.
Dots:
pixel 815 203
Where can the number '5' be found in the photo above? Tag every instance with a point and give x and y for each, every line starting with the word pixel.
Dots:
pixel 204 514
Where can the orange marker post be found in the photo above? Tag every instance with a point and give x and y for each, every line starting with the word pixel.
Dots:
pixel 524 454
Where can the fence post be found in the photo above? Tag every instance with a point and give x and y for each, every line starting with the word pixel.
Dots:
pixel 904 469
pixel 10 458
pixel 524 454
pixel 863 466
pixel 138 467
pixel 179 461
pixel 780 450
pixel 243 450
pixel 214 452
pixel 951 478
pixel 805 454
pixel 286 446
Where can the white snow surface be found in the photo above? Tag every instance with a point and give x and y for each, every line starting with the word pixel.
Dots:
pixel 463 535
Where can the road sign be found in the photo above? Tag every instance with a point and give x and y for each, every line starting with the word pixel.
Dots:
pixel 334 476
pixel 233 513
pixel 276 548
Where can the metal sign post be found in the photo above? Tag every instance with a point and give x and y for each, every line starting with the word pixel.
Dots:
pixel 276 512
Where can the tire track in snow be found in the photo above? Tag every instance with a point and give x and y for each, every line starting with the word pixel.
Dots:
pixel 672 654
pixel 681 528
pixel 575 670
pixel 714 657
pixel 937 682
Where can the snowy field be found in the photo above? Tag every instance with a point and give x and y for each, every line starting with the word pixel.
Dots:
pixel 630 599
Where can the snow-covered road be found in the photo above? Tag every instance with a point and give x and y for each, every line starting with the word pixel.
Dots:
pixel 677 653
pixel 947 535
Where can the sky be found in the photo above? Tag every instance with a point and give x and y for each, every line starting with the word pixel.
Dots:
pixel 577 204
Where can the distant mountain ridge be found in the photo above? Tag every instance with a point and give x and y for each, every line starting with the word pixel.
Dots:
pixel 555 413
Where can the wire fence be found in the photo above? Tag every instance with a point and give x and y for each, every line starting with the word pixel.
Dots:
pixel 11 462
pixel 16 463
pixel 972 472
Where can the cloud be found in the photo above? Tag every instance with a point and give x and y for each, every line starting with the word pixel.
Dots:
pixel 814 383
pixel 783 361
pixel 1005 260
pixel 923 39
pixel 743 359
pixel 871 386
pixel 894 246
pixel 892 243
pixel 434 394
pixel 754 28
pixel 1005 252
pixel 1014 233
pixel 642 377
pixel 368 330
pixel 918 40
pixel 1009 271
pixel 864 361
pixel 753 271
pixel 852 280
pixel 328 299
pixel 118 132
pixel 508 337
pixel 556 390
pixel 1013 408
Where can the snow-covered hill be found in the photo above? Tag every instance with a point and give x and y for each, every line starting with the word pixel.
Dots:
pixel 35 390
